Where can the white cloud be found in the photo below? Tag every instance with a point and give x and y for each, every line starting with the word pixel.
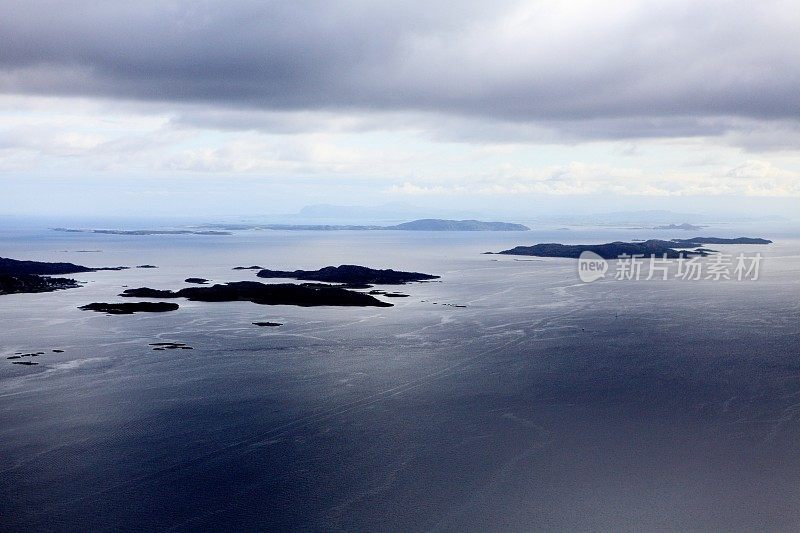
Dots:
pixel 752 178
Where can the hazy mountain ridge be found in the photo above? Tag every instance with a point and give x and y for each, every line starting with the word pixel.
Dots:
pixel 423 224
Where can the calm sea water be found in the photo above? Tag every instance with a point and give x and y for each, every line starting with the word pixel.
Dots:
pixel 545 403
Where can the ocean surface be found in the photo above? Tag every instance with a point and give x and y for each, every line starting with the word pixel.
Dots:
pixel 544 403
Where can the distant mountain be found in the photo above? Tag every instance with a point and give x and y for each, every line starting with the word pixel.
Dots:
pixel 386 213
pixel 423 224
pixel 395 210
pixel 656 216
pixel 436 224
pixel 685 226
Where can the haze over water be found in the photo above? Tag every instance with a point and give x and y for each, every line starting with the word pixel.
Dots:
pixel 544 403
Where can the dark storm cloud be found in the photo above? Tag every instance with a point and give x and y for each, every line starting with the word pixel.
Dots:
pixel 630 67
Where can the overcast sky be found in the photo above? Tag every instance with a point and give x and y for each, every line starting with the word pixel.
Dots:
pixel 265 106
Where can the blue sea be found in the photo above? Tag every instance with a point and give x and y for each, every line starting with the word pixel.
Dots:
pixel 506 396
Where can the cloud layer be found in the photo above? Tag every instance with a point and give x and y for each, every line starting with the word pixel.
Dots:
pixel 586 69
pixel 303 100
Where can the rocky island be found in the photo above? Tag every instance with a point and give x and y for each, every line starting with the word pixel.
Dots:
pixel 389 294
pixel 161 346
pixel 129 308
pixel 304 295
pixel 28 283
pixel 353 276
pixel 18 276
pixel 672 249
pixel 718 240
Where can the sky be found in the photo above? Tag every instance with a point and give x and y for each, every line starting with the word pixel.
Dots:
pixel 259 108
